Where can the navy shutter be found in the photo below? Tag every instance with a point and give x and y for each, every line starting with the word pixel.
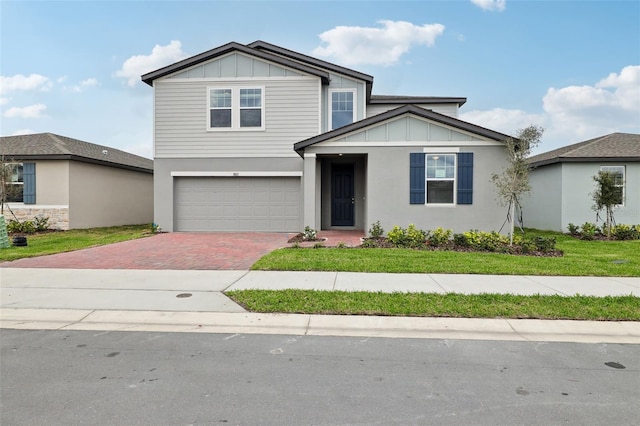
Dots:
pixel 29 185
pixel 465 178
pixel 416 178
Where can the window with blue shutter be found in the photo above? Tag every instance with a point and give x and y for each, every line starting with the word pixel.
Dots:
pixel 416 178
pixel 465 178
pixel 29 176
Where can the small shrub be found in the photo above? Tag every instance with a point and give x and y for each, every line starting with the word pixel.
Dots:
pixel 440 237
pixel 376 230
pixel 460 240
pixel 155 228
pixel 14 226
pixel 318 245
pixel 589 231
pixel 544 244
pixel 341 245
pixel 415 237
pixel 625 232
pixel 368 244
pixel 309 234
pixel 26 227
pixel 573 229
pixel 397 236
pixel 41 223
pixel 295 245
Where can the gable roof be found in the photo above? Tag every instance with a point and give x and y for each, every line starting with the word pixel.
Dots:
pixel 228 48
pixel 405 109
pixel 49 146
pixel 393 99
pixel 612 147
pixel 264 46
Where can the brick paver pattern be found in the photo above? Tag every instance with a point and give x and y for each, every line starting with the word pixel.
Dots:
pixel 181 251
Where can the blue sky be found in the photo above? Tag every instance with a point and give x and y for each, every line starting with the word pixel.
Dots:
pixel 573 67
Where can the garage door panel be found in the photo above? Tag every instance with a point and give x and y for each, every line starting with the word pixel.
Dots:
pixel 238 204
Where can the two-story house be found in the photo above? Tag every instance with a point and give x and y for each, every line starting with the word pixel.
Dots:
pixel 260 138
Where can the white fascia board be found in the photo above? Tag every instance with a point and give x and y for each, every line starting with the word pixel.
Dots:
pixel 412 143
pixel 235 174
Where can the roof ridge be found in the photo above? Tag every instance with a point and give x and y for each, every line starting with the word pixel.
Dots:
pixel 58 142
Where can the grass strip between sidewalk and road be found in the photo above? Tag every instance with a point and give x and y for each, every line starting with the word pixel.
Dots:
pixel 581 258
pixel 45 243
pixel 454 305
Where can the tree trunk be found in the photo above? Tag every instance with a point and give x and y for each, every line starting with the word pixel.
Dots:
pixel 512 213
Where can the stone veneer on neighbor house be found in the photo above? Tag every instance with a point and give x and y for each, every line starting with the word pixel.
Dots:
pixel 58 216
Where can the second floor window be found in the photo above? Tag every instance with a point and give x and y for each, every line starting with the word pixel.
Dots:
pixel 342 108
pixel 236 108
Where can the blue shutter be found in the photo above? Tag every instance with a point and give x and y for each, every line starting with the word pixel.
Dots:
pixel 416 178
pixel 465 178
pixel 29 186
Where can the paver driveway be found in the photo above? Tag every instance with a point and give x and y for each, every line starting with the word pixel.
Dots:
pixel 174 250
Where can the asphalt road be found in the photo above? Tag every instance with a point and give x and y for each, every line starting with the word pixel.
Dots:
pixel 144 378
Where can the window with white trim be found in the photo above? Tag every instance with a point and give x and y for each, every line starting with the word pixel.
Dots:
pixel 440 177
pixel 618 179
pixel 236 108
pixel 341 108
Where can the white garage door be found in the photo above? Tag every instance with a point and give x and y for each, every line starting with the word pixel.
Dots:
pixel 238 204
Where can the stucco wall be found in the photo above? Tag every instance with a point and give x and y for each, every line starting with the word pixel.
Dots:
pixel 52 182
pixel 107 196
pixel 542 207
pixel 578 185
pixel 387 190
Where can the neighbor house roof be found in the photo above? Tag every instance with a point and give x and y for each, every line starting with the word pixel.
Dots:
pixel 405 109
pixel 612 147
pixel 48 146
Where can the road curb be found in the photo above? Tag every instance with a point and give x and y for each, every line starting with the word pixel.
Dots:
pixel 323 325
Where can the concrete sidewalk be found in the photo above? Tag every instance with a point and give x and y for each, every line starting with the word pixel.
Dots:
pixel 193 301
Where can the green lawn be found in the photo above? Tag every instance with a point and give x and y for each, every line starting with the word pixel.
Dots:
pixel 63 241
pixel 581 258
pixel 620 308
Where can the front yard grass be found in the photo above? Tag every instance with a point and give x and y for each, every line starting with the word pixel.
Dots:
pixel 581 258
pixel 62 241
pixel 619 308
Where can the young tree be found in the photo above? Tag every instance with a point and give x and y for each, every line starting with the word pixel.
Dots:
pixel 606 196
pixel 513 182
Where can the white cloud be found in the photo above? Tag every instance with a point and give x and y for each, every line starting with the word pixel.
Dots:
pixel 79 88
pixel 23 82
pixel 4 101
pixel 32 111
pixel 491 5
pixel 575 113
pixel 378 46
pixel 612 104
pixel 507 121
pixel 160 56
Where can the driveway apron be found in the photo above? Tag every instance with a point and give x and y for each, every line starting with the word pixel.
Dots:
pixel 174 251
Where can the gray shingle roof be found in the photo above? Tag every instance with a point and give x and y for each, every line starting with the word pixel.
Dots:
pixel 42 146
pixel 612 147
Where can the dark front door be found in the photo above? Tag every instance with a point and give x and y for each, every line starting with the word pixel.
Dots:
pixel 342 195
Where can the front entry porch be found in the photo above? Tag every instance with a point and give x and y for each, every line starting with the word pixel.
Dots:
pixel 338 191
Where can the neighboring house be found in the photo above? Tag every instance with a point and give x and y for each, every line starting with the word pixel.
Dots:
pixel 260 138
pixel 76 184
pixel 562 182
